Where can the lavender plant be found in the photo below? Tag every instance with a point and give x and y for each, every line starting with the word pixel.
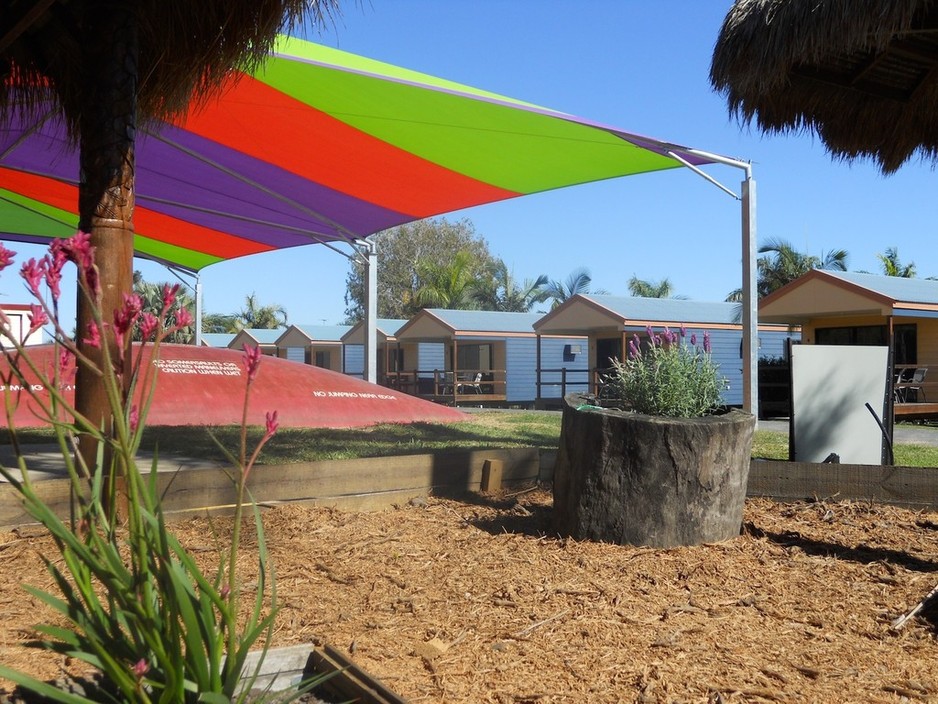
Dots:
pixel 669 376
pixel 138 607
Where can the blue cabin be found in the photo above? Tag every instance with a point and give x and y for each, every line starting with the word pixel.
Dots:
pixel 264 338
pixel 388 358
pixel 318 345
pixel 480 357
pixel 609 322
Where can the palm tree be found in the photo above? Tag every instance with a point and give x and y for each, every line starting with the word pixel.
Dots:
pixel 447 285
pixel 893 267
pixel 578 282
pixel 652 289
pixel 520 299
pixel 498 290
pixel 785 264
pixel 219 322
pixel 112 61
pixel 255 316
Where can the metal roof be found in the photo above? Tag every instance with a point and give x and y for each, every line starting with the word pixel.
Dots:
pixel 666 310
pixel 677 310
pixel 897 288
pixel 217 339
pixel 326 333
pixel 264 336
pixel 486 320
pixel 385 327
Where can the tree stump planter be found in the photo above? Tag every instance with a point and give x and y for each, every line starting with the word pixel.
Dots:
pixel 628 478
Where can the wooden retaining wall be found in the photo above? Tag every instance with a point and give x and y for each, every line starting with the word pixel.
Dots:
pixel 373 483
pixel 378 483
pixel 909 487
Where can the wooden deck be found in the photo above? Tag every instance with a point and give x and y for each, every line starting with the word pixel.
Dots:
pixel 915 411
pixel 466 399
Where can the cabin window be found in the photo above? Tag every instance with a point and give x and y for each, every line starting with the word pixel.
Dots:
pixel 905 342
pixel 852 335
pixel 323 359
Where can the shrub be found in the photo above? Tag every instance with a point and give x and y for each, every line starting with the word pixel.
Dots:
pixel 669 376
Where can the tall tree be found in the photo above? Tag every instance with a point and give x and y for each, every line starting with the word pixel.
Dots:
pixel 578 281
pixel 103 63
pixel 402 252
pixel 255 316
pixel 446 285
pixel 652 289
pixel 783 264
pixel 893 267
pixel 497 289
pixel 220 322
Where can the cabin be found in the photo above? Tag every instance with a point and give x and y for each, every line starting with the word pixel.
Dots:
pixel 388 359
pixel 852 308
pixel 473 357
pixel 263 338
pixel 609 322
pixel 318 345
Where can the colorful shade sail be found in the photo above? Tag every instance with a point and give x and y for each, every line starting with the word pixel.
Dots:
pixel 318 146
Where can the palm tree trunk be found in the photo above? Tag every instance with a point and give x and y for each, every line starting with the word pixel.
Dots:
pixel 106 190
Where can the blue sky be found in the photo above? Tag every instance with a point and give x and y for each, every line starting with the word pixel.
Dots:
pixel 643 67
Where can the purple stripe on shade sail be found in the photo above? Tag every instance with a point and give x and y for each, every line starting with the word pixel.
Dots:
pixel 177 183
pixel 291 200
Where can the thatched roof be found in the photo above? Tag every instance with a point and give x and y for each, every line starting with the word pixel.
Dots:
pixel 186 47
pixel 862 73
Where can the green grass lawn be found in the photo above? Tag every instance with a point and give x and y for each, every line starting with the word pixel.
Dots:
pixel 484 429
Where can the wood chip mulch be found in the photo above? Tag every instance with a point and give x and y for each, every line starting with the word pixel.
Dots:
pixel 476 601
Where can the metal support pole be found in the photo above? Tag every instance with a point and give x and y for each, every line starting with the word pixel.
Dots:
pixel 750 302
pixel 370 250
pixel 198 310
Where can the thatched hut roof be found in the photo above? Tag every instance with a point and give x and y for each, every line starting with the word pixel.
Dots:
pixel 186 47
pixel 862 73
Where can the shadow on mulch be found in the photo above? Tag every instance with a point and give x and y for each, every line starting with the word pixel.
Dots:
pixel 533 520
pixel 862 553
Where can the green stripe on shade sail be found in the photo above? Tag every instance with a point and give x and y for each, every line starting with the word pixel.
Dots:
pixel 290 47
pixel 26 216
pixel 170 253
pixel 515 149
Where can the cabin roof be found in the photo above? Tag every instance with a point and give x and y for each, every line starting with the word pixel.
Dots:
pixel 594 311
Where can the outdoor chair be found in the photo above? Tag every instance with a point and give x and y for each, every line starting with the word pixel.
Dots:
pixel 901 377
pixel 916 385
pixel 472 383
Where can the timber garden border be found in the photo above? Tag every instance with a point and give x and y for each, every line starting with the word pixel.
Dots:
pixel 378 483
